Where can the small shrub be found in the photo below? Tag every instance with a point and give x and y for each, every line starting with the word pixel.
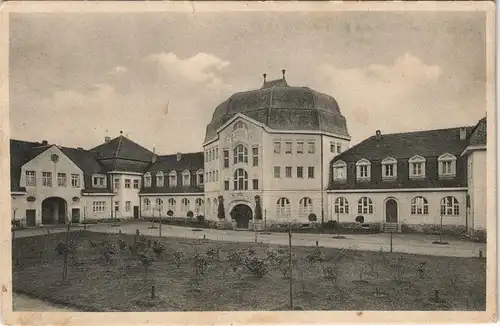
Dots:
pixel 315 256
pixel 212 253
pixel 60 248
pixel 122 245
pixel 178 255
pixel 159 248
pixel 330 225
pixel 108 251
pixel 190 214
pixel 170 213
pixel 201 263
pixel 256 266
pixel 360 219
pixel 146 260
pixel 312 217
pixel 200 218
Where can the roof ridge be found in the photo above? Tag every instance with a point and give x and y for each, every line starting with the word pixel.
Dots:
pixel 118 146
pixel 423 131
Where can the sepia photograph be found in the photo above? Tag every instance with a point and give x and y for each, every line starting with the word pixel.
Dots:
pixel 241 157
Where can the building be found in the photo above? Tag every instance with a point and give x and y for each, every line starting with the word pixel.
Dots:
pixel 278 154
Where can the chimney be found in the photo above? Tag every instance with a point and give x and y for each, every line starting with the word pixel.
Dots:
pixel 283 72
pixel 463 133
pixel 45 143
pixel 378 134
pixel 265 75
pixel 179 155
pixel 155 157
pixel 107 139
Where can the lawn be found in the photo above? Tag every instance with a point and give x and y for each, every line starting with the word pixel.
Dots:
pixel 235 279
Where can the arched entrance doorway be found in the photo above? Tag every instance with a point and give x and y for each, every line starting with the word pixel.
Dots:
pixel 391 211
pixel 54 211
pixel 242 213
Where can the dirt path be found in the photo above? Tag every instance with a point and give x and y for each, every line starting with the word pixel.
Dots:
pixel 22 302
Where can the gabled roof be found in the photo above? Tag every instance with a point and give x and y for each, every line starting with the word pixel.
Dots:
pixel 124 148
pixel 479 134
pixel 188 161
pixel 19 155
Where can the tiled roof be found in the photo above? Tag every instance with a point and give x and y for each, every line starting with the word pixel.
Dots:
pixel 188 161
pixel 122 165
pixel 84 159
pixel 122 147
pixel 402 146
pixel 479 134
pixel 19 155
pixel 276 82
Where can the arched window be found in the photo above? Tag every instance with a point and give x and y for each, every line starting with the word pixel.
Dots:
pixel 305 207
pixel 172 178
pixel 365 206
pixel 159 204
pixel 147 180
pixel 283 208
pixel 339 171
pixel 147 204
pixel 240 154
pixel 198 206
pixel 214 210
pixel 171 204
pixel 450 206
pixel 184 205
pixel 199 175
pixel 341 206
pixel 186 178
pixel 208 207
pixel 159 179
pixel 419 206
pixel 240 180
pixel 240 125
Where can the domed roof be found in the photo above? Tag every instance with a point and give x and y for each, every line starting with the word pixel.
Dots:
pixel 282 107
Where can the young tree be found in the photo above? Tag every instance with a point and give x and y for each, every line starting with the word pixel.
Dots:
pixel 258 208
pixel 221 213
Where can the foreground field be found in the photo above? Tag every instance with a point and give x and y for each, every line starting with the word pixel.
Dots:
pixel 239 276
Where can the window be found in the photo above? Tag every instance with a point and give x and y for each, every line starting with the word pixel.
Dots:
pixel 300 172
pixel 239 125
pixel 300 147
pixel 216 152
pixel 127 183
pixel 208 207
pixel 363 169
pixel 310 172
pixel 116 183
pixel 206 156
pixel 277 147
pixel 417 166
pixel 288 147
pixel 339 148
pixel 419 206
pixel 240 154
pixel 172 179
pixel 341 206
pixel 255 156
pixel 47 179
pixel 389 168
pixel 305 207
pixel 311 147
pixel 332 147
pixel 210 176
pixel 160 180
pixel 206 177
pixel 447 165
pixel 240 180
pixel 171 204
pixel 99 181
pixel 184 205
pixel 98 206
pixel 186 178
pixel 283 208
pixel 450 206
pixel 199 174
pixel 288 171
pixel 159 204
pixel 117 206
pixel 255 183
pixel 136 184
pixel 226 159
pixel 61 180
pixel 147 180
pixel 198 206
pixel 226 184
pixel 30 178
pixel 339 171
pixel 277 172
pixel 147 204
pixel 365 206
pixel 215 206
pixel 216 175
pixel 75 180
pixel 128 205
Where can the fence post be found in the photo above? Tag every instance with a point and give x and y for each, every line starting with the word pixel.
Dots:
pixel 153 294
pixel 290 264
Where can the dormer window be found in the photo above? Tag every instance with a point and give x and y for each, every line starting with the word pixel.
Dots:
pixel 417 167
pixel 447 165
pixel 186 178
pixel 389 168
pixel 99 181
pixel 363 170
pixel 147 180
pixel 172 179
pixel 160 179
pixel 339 171
pixel 199 177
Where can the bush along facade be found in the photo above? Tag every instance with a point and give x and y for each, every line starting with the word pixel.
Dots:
pixel 258 208
pixel 221 213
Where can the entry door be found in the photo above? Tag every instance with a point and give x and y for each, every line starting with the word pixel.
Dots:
pixel 75 215
pixel 136 212
pixel 30 217
pixel 391 211
pixel 242 222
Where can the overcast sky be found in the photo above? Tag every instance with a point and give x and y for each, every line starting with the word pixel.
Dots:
pixel 75 78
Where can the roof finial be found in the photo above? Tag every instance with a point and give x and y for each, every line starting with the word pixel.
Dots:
pixel 283 72
pixel 265 75
pixel 121 132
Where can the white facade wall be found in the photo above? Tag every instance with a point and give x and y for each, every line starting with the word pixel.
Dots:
pixel 123 195
pixel 179 209
pixel 477 189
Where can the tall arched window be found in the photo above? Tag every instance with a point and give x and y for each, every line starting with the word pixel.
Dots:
pixel 171 204
pixel 198 206
pixel 240 180
pixel 147 204
pixel 172 178
pixel 341 206
pixel 159 179
pixel 208 207
pixel 159 204
pixel 305 207
pixel 214 209
pixel 184 205
pixel 365 206
pixel 240 154
pixel 450 206
pixel 283 208
pixel 186 178
pixel 419 206
pixel 147 180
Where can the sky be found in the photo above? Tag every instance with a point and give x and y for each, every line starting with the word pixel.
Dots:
pixel 76 78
